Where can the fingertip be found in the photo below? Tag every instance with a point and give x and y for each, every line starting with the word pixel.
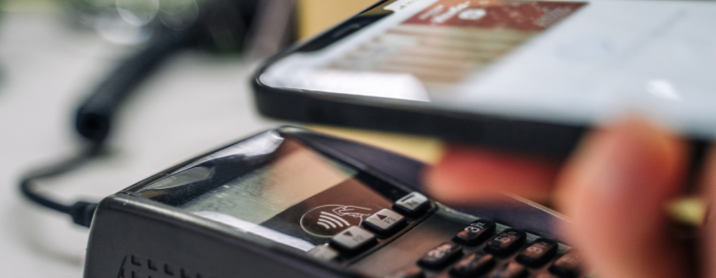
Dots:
pixel 614 191
pixel 471 173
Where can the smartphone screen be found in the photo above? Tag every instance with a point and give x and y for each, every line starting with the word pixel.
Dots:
pixel 572 62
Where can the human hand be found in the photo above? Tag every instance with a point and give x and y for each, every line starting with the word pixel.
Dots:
pixel 613 190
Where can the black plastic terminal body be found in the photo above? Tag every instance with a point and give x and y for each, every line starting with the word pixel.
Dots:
pixel 127 224
pixel 129 227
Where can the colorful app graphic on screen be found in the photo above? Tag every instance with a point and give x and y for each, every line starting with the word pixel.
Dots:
pixel 452 39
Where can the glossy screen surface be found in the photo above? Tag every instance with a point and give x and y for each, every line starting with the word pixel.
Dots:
pixel 575 62
pixel 272 187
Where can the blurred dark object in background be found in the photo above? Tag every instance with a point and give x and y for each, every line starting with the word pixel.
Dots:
pixel 272 28
pixel 132 22
pixel 219 26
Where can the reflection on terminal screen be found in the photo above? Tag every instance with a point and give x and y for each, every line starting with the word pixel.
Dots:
pixel 299 198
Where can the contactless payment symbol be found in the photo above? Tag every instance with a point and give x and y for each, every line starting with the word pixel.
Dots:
pixel 328 220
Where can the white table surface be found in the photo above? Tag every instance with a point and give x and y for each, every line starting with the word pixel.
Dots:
pixel 194 103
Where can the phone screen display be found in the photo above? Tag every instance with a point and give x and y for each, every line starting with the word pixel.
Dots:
pixel 576 62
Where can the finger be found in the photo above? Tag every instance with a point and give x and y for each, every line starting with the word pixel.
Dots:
pixel 614 191
pixel 708 237
pixel 470 173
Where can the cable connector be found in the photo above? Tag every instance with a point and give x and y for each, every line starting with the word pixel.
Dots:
pixel 82 213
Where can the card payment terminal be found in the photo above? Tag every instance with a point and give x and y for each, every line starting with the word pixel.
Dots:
pixel 292 203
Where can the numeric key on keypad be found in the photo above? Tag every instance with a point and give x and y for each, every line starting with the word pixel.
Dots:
pixel 408 272
pixel 567 266
pixel 473 265
pixel 441 255
pixel 509 270
pixel 475 233
pixel 538 252
pixel 505 242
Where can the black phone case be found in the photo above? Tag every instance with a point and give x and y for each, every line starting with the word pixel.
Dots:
pixel 536 138
pixel 532 137
pixel 515 135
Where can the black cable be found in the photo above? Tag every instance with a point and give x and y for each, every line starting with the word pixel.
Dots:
pixel 80 211
pixel 94 117
pixel 220 25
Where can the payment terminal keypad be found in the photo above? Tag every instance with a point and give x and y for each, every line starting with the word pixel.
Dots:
pixel 519 258
pixel 481 249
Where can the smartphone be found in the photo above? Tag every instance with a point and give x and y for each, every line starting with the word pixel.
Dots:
pixel 293 203
pixel 526 76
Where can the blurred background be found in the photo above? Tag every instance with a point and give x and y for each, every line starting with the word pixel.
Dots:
pixel 54 53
